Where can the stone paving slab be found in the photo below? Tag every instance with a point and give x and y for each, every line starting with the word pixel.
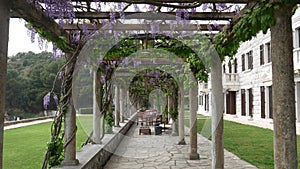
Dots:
pixel 162 152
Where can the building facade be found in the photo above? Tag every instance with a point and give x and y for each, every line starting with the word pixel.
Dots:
pixel 247 79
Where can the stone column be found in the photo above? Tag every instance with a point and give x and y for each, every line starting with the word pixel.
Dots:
pixel 181 115
pixel 4 27
pixel 217 109
pixel 122 110
pixel 298 101
pixel 70 137
pixel 283 89
pixel 193 119
pixel 96 109
pixel 117 106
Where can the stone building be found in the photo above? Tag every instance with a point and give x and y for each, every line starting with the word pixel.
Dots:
pixel 247 79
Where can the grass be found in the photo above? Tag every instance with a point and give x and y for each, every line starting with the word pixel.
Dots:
pixel 24 148
pixel 250 143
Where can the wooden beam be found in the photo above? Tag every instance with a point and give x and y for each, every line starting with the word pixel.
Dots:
pixel 146 27
pixel 169 1
pixel 40 20
pixel 157 16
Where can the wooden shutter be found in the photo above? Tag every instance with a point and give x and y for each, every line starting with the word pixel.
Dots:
pixel 235 65
pixel 270 103
pixel 232 102
pixel 262 54
pixel 243 62
pixel 262 102
pixel 228 103
pixel 243 102
pixel 250 103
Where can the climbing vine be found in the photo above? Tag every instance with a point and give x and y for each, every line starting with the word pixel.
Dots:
pixel 260 18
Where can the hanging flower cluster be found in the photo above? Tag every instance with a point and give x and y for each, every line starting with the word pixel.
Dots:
pixel 47 99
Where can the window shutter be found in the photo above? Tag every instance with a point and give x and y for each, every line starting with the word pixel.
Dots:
pixel 243 62
pixel 262 54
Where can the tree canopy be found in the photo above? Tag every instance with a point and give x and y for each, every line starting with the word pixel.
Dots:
pixel 30 77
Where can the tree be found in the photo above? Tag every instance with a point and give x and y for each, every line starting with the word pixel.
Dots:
pixel 29 77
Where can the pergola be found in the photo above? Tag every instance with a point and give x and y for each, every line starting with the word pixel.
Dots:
pixel 220 16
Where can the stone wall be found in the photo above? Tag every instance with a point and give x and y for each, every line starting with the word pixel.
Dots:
pixel 95 156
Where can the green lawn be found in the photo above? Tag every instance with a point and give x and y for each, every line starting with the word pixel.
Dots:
pixel 24 148
pixel 250 143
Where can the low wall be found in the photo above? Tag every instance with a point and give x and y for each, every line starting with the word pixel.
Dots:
pixel 95 156
pixel 8 123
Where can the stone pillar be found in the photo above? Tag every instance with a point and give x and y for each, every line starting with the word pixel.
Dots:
pixel 217 110
pixel 70 137
pixel 117 106
pixel 122 110
pixel 298 101
pixel 283 89
pixel 193 119
pixel 4 27
pixel 96 109
pixel 181 115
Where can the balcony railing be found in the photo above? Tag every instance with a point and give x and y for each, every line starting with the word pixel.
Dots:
pixel 231 80
pixel 231 77
pixel 203 87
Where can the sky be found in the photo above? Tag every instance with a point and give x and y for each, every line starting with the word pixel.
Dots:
pixel 19 41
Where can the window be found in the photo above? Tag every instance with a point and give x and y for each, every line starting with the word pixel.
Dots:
pixel 268 51
pixel 261 48
pixel 243 62
pixel 250 60
pixel 235 66
pixel 229 67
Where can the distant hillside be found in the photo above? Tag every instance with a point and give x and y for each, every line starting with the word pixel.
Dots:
pixel 29 77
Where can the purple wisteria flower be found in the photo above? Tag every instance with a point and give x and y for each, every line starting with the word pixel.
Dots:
pixel 102 79
pixel 193 10
pixel 136 8
pixel 151 7
pixel 47 99
pixel 112 17
pixel 178 15
pixel 216 25
pixel 154 29
pixel 136 64
pixel 236 9
pixel 204 7
pixel 55 99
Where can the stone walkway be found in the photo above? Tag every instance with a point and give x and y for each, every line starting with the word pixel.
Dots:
pixel 18 125
pixel 162 152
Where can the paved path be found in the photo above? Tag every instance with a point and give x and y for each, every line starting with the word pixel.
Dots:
pixel 162 152
pixel 26 124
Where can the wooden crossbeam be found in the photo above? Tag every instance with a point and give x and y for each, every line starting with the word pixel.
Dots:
pixel 146 27
pixel 148 15
pixel 40 20
pixel 157 16
pixel 169 1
